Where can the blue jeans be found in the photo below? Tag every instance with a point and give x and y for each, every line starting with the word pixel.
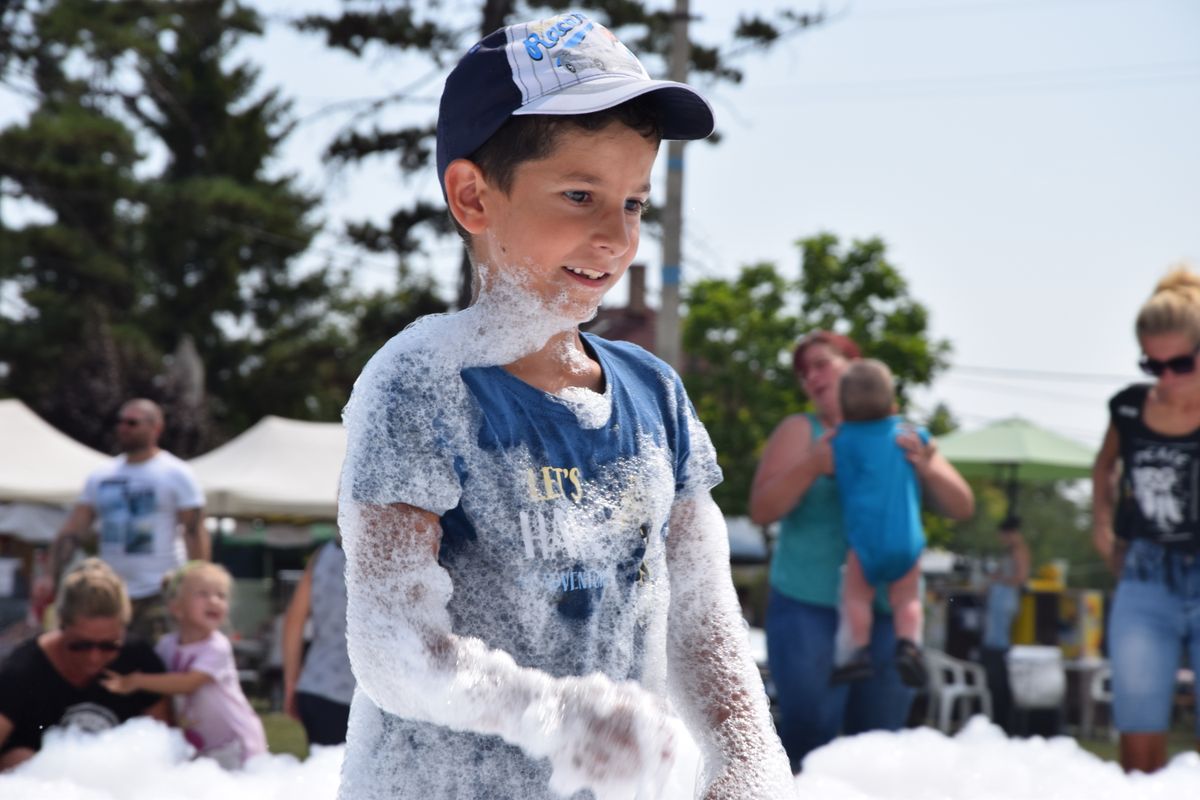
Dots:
pixel 1003 602
pixel 812 713
pixel 1155 613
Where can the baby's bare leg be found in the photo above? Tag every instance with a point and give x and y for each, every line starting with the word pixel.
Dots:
pixel 905 596
pixel 856 616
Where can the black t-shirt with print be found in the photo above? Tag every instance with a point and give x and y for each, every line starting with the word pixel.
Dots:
pixel 34 696
pixel 1159 492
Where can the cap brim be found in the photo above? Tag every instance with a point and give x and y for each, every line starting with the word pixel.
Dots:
pixel 685 113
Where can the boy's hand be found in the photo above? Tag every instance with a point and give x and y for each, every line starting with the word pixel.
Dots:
pixel 120 684
pixel 617 741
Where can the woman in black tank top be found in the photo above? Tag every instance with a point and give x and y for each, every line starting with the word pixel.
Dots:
pixel 1146 521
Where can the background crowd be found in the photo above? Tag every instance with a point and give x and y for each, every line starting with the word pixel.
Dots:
pixel 113 652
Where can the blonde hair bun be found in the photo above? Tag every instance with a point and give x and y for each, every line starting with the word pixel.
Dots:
pixel 1174 307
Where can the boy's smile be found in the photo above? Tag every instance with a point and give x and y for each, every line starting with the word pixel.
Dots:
pixel 570 225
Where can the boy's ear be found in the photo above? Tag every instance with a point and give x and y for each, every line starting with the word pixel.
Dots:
pixel 465 187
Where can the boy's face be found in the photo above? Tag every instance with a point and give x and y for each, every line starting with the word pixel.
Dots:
pixel 569 227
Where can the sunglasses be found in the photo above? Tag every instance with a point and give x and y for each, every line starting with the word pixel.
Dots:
pixel 1180 365
pixel 129 422
pixel 85 645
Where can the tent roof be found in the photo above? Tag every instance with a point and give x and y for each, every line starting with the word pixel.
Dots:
pixel 1037 453
pixel 32 522
pixel 278 467
pixel 38 464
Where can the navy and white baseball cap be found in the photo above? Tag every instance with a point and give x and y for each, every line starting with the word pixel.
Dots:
pixel 567 64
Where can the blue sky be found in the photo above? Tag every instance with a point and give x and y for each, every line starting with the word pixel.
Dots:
pixel 1032 165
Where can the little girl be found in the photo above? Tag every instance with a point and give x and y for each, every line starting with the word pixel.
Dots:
pixel 210 706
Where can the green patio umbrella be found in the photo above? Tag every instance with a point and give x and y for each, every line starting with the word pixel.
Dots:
pixel 1013 450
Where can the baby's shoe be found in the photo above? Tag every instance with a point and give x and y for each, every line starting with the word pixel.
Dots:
pixel 910 663
pixel 856 668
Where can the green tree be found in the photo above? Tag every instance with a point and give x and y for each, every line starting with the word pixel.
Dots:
pixel 1055 521
pixel 167 264
pixel 856 291
pixel 739 336
pixel 441 34
pixel 61 343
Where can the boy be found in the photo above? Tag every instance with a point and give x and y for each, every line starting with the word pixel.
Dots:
pixel 882 511
pixel 515 603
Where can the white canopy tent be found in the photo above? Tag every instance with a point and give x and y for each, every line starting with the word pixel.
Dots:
pixel 35 523
pixel 38 464
pixel 278 467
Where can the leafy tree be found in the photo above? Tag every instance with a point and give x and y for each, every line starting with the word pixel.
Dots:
pixel 1055 522
pixel 739 336
pixel 442 35
pixel 856 291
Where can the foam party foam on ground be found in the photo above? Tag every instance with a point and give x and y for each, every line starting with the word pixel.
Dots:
pixel 142 760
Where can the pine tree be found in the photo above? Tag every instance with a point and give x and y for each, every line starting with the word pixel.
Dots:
pixel 163 260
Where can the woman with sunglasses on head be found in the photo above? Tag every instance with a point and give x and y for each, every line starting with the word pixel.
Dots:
pixel 1146 521
pixel 53 680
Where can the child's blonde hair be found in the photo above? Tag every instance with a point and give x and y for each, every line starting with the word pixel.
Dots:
pixel 174 581
pixel 1174 307
pixel 93 590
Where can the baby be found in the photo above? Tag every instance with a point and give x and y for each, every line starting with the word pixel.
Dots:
pixel 881 506
pixel 210 705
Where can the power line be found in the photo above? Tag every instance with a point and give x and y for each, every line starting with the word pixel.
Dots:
pixel 991 385
pixel 1099 77
pixel 958 8
pixel 1043 375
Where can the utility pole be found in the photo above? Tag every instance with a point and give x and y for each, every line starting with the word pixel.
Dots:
pixel 667 329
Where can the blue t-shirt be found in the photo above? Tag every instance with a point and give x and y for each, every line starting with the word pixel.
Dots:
pixel 881 503
pixel 554 519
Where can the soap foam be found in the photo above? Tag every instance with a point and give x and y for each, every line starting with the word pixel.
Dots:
pixel 596 714
pixel 145 760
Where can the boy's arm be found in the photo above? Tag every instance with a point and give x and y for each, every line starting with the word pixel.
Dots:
pixel 716 684
pixel 407 659
pixel 157 682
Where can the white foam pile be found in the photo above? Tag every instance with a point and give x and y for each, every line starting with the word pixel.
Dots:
pixel 143 760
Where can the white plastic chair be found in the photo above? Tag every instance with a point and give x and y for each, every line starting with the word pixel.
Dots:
pixel 1099 694
pixel 957 689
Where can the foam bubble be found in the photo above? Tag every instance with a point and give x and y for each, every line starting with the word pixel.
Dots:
pixel 544 662
pixel 145 760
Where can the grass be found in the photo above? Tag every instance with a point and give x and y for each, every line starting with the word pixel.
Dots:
pixel 284 734
pixel 1179 740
